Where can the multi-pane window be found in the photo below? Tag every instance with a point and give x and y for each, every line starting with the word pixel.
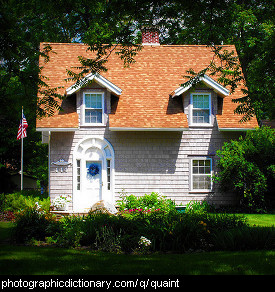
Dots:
pixel 201 174
pixel 78 174
pixel 93 108
pixel 201 108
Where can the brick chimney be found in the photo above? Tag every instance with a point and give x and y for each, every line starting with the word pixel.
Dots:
pixel 150 36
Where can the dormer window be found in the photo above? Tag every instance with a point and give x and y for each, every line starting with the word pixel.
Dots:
pixel 200 109
pixel 93 103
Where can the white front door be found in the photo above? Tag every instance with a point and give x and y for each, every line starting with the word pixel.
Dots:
pixel 93 183
pixel 93 173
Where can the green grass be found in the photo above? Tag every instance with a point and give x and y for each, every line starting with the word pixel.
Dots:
pixel 261 219
pixel 31 260
pixel 34 260
pixel 5 231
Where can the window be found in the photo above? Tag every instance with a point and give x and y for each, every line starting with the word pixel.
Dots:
pixel 201 174
pixel 93 108
pixel 201 108
pixel 78 174
pixel 108 174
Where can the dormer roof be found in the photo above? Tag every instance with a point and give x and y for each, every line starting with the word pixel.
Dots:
pixel 209 82
pixel 98 79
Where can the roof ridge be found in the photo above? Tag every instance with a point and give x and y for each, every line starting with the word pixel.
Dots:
pixel 162 45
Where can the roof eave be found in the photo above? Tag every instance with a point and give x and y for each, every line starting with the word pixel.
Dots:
pixel 51 129
pixel 147 129
pixel 209 82
pixel 97 78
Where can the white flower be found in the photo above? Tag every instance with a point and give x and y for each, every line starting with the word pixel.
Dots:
pixel 144 241
pixel 61 200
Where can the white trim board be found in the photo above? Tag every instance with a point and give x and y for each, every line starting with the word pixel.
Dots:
pixel 97 78
pixel 209 82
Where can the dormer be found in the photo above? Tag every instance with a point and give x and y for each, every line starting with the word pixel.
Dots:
pixel 94 99
pixel 203 102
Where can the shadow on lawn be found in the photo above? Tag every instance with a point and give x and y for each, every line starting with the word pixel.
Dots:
pixel 29 260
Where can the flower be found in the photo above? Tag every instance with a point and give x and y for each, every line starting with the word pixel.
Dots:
pixel 61 200
pixel 144 241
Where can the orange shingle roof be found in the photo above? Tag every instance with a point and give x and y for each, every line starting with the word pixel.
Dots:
pixel 146 86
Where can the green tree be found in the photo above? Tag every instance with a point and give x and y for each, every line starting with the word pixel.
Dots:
pixel 247 166
pixel 25 23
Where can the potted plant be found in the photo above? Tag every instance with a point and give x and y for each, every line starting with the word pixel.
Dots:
pixel 60 203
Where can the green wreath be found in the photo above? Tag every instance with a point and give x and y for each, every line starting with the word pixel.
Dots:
pixel 93 170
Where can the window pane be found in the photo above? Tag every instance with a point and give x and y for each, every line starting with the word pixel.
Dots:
pixel 93 116
pixel 195 162
pixel 93 101
pixel 196 182
pixel 87 100
pixel 207 184
pixel 200 116
pixel 201 162
pixel 206 102
pixel 201 170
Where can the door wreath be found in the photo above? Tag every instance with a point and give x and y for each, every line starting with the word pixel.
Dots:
pixel 93 170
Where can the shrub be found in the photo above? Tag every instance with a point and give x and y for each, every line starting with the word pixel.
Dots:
pixel 24 199
pixel 198 207
pixel 245 238
pixel 33 223
pixel 251 160
pixel 71 231
pixel 152 201
pixel 108 240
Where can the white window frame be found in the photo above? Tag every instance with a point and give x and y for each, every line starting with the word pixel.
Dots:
pixel 192 109
pixel 84 108
pixel 192 175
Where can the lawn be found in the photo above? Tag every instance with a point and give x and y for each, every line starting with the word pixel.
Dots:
pixel 34 260
pixel 31 260
pixel 261 219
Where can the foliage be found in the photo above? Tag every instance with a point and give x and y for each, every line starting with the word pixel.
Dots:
pixel 198 207
pixel 172 231
pixel 153 201
pixel 33 223
pixel 251 160
pixel 61 201
pixel 7 216
pixel 24 199
pixel 108 240
pixel 245 238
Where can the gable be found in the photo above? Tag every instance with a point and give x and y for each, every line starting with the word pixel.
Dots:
pixel 98 79
pixel 209 82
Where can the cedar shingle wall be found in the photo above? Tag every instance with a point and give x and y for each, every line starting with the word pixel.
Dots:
pixel 145 161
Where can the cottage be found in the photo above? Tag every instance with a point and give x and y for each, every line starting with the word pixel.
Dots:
pixel 137 129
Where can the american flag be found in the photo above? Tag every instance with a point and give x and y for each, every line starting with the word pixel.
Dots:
pixel 22 131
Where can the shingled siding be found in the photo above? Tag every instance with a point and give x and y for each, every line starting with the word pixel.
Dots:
pixel 145 161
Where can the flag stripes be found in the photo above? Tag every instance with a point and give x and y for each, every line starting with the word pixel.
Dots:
pixel 22 130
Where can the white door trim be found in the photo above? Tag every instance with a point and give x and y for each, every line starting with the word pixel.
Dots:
pixel 93 148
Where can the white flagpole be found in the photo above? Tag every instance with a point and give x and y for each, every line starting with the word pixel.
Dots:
pixel 22 151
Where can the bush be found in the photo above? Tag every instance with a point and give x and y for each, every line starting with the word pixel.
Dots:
pixel 251 160
pixel 152 201
pixel 245 238
pixel 33 223
pixel 24 199
pixel 198 207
